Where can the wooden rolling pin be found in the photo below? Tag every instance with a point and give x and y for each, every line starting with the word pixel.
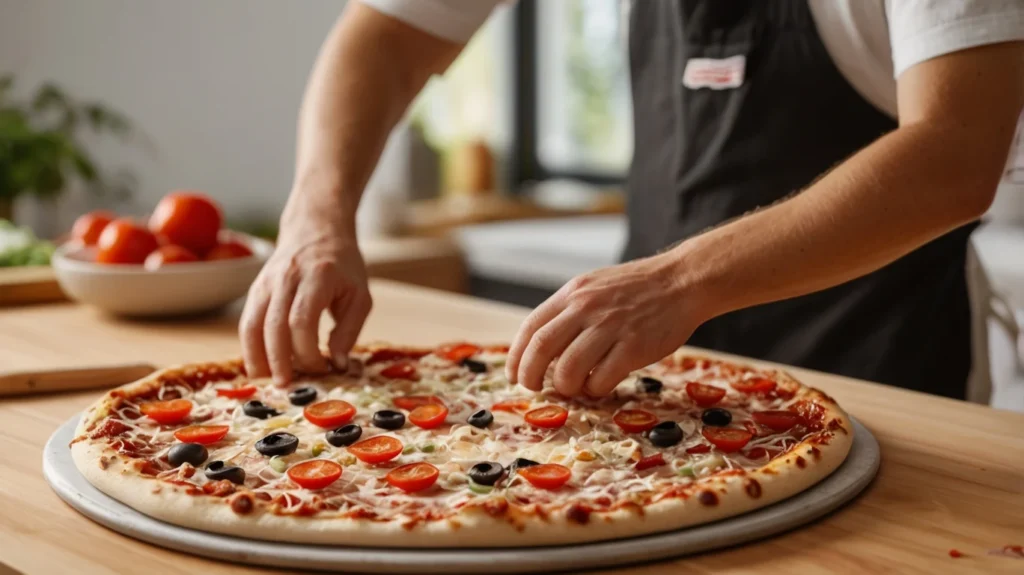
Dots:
pixel 31 382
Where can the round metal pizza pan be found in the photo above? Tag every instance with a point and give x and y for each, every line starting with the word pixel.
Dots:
pixel 841 486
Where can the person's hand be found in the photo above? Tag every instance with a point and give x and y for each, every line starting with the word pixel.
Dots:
pixel 315 267
pixel 602 325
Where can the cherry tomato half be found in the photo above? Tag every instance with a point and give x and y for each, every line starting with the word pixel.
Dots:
pixel 726 438
pixel 393 354
pixel 88 227
pixel 189 219
pixel 411 402
pixel 228 250
pixel 315 473
pixel 377 449
pixel 777 420
pixel 243 392
pixel 329 414
pixel 549 416
pixel 457 352
pixel 704 395
pixel 401 370
pixel 755 385
pixel 428 416
pixel 511 406
pixel 201 434
pixel 650 461
pixel 170 411
pixel 124 242
pixel 169 254
pixel 413 477
pixel 546 475
pixel 635 420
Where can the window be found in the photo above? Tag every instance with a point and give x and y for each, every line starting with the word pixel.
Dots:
pixel 583 114
pixel 546 85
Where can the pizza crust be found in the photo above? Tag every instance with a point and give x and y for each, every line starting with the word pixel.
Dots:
pixel 783 477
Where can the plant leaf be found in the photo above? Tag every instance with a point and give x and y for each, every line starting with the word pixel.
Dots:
pixel 84 165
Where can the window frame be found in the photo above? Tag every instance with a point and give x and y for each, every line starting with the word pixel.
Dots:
pixel 524 166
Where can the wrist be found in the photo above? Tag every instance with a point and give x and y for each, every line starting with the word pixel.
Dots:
pixel 322 207
pixel 698 289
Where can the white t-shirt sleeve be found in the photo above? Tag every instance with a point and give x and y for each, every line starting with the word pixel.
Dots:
pixel 923 29
pixel 455 20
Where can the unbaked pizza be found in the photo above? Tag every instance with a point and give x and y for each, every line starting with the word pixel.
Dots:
pixel 435 448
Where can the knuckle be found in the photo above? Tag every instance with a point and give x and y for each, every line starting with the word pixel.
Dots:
pixel 274 322
pixel 543 339
pixel 298 320
pixel 577 283
pixel 291 273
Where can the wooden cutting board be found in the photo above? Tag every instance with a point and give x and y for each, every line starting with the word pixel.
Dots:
pixel 14 383
pixel 28 285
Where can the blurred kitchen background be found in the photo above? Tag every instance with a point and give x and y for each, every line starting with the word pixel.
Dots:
pixel 504 180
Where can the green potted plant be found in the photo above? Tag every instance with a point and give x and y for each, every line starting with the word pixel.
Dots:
pixel 41 149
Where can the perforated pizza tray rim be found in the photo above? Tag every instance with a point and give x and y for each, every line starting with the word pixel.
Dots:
pixel 841 486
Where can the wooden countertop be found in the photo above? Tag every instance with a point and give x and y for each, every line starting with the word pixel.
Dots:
pixel 952 473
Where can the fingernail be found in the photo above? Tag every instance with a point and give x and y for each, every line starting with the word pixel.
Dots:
pixel 340 361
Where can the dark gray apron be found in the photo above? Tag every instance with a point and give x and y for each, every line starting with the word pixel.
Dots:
pixel 704 156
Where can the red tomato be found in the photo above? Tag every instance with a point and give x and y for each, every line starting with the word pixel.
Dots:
pixel 413 477
pixel 650 461
pixel 428 416
pixel 411 402
pixel 702 448
pixel 189 219
pixel 458 351
pixel 498 348
pixel 329 414
pixel 703 394
pixel 726 438
pixel 315 473
pixel 546 475
pixel 402 370
pixel 170 411
pixel 635 420
pixel 758 453
pixel 692 363
pixel 228 250
pixel 755 385
pixel 393 354
pixel 377 449
pixel 88 227
pixel 549 416
pixel 777 420
pixel 243 392
pixel 169 254
pixel 124 242
pixel 511 406
pixel 201 434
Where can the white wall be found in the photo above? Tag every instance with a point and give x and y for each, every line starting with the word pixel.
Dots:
pixel 215 85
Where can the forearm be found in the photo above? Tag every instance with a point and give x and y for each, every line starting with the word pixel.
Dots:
pixel 368 71
pixel 907 188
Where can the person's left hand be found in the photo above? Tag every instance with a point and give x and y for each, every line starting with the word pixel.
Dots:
pixel 604 324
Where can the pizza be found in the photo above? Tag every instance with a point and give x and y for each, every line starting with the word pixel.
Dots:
pixel 414 447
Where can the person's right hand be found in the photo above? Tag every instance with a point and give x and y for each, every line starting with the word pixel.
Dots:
pixel 315 267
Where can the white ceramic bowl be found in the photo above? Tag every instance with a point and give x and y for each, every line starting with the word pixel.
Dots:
pixel 131 290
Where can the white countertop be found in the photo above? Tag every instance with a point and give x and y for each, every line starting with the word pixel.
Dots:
pixel 547 253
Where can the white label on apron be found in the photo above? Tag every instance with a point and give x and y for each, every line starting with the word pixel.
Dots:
pixel 717 74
